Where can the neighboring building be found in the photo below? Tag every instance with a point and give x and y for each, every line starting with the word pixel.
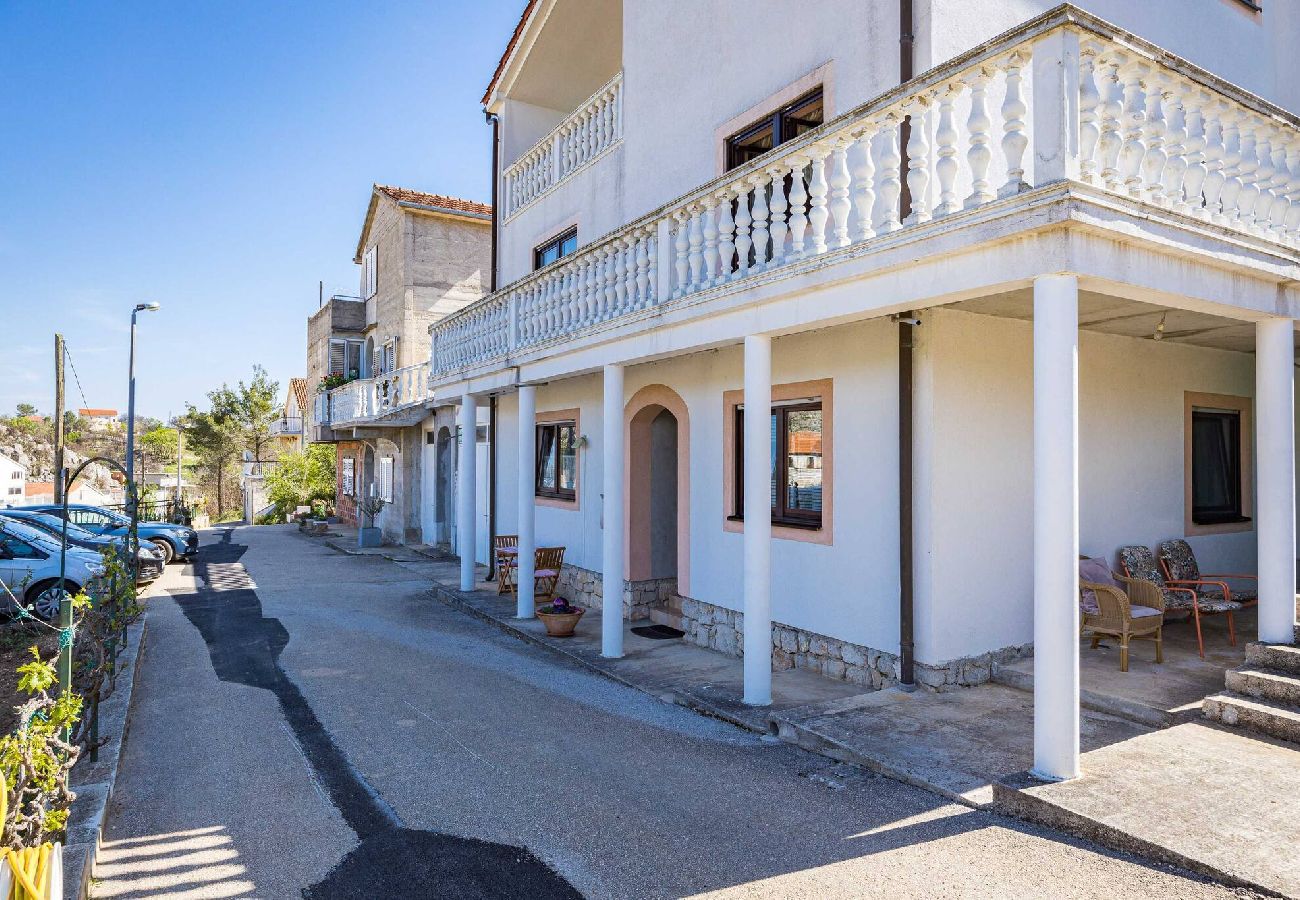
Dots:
pixel 288 429
pixel 807 383
pixel 82 492
pixel 101 419
pixel 422 257
pixel 13 482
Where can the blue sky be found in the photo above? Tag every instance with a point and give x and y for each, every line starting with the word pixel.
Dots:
pixel 217 158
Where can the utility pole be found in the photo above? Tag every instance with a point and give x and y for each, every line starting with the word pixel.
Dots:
pixel 58 418
pixel 180 449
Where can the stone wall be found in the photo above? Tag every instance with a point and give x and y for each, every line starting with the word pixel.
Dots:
pixel 582 587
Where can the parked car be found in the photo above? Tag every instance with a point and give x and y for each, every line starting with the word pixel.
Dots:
pixel 175 541
pixel 149 558
pixel 29 569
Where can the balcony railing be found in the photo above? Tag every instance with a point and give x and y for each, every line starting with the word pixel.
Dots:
pixel 367 399
pixel 1063 98
pixel 593 128
pixel 286 426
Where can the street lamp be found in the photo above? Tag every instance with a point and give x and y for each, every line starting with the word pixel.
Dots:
pixel 130 398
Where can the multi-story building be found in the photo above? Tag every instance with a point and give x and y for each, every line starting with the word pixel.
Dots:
pixel 100 419
pixel 13 481
pixel 288 428
pixel 422 257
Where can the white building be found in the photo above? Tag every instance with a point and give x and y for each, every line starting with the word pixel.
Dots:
pixel 13 482
pixel 1055 313
pixel 100 419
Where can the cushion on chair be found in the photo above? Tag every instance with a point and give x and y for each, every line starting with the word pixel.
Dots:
pixel 545 573
pixel 1141 612
pixel 1096 571
pixel 1178 556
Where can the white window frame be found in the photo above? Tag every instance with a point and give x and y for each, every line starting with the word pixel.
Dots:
pixel 370 272
pixel 386 479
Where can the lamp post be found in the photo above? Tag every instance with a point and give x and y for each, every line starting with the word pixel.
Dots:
pixel 130 394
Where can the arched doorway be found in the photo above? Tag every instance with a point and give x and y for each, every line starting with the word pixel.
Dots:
pixel 443 489
pixel 367 470
pixel 658 487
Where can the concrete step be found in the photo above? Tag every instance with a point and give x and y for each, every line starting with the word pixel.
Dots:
pixel 1278 657
pixel 662 616
pixel 1272 719
pixel 1265 684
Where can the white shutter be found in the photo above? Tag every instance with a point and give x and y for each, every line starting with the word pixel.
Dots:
pixel 390 355
pixel 338 357
pixel 386 479
pixel 370 271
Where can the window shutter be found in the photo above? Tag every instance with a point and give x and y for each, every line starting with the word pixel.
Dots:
pixel 337 361
pixel 370 272
pixel 386 479
pixel 390 355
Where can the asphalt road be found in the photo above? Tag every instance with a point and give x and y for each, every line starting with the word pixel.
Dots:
pixel 311 724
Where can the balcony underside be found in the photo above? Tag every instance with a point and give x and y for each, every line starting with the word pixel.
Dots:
pixel 1119 247
pixel 401 418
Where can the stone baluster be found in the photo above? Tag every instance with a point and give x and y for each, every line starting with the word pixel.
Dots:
pixel 798 207
pixel 758 229
pixel 1231 164
pixel 1089 112
pixel 839 181
pixel 610 253
pixel 779 205
pixel 817 190
pixel 1014 137
pixel 1212 188
pixel 946 165
pixel 1153 130
pixel 1111 142
pixel 863 169
pixel 643 270
pixel 1194 150
pixel 1134 148
pixel 743 241
pixel 652 263
pixel 1265 179
pixel 620 274
pixel 573 294
pixel 695 252
pixel 918 162
pixel 1246 173
pixel 709 231
pixel 726 236
pixel 1281 184
pixel 1291 218
pixel 979 157
pixel 681 247
pixel 891 187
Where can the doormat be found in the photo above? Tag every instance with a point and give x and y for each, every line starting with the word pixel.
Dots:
pixel 658 632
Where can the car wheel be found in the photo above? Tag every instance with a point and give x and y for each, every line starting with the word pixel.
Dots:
pixel 44 598
pixel 163 545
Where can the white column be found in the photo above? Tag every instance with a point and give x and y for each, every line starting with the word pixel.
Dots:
pixel 527 488
pixel 611 615
pixel 466 533
pixel 1275 456
pixel 758 520
pixel 1056 527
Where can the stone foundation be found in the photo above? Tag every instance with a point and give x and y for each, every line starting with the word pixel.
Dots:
pixel 718 628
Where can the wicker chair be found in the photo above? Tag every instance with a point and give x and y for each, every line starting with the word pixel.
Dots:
pixel 506 548
pixel 546 574
pixel 1140 563
pixel 1136 613
pixel 1180 568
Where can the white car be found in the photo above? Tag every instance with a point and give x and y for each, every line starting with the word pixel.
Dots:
pixel 29 569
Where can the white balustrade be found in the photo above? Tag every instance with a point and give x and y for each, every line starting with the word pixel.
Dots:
pixel 370 398
pixel 1150 129
pixel 594 127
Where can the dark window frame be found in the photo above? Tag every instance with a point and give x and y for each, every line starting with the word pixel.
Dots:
pixel 1234 510
pixel 781 514
pixel 557 492
pixel 782 123
pixel 557 244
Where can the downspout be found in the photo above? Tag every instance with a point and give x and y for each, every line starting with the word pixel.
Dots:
pixel 906 322
pixel 496 159
pixel 492 401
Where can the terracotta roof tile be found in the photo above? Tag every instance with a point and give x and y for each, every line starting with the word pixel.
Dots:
pixel 456 204
pixel 298 387
pixel 96 412
pixel 510 48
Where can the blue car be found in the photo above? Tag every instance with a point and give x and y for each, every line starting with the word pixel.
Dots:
pixel 175 541
pixel 149 561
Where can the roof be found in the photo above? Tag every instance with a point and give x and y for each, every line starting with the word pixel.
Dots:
pixel 411 199
pixel 298 389
pixel 96 412
pixel 510 48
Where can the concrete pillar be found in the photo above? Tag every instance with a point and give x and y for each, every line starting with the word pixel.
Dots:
pixel 611 616
pixel 466 533
pixel 758 520
pixel 1056 527
pixel 527 489
pixel 1275 454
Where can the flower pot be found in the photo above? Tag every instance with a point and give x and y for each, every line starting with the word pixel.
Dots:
pixel 370 537
pixel 560 624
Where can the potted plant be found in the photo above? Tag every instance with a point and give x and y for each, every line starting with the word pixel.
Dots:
pixel 369 535
pixel 559 617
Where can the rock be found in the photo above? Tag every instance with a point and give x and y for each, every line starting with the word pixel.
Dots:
pixel 857 675
pixel 817 646
pixel 789 641
pixel 975 674
pixel 931 678
pixel 834 668
pixel 804 641
pixel 781 661
pixel 853 655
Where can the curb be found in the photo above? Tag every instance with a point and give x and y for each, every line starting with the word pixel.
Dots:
pixel 93 782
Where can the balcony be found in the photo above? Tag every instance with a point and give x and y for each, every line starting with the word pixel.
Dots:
pixel 286 426
pixel 591 131
pixel 393 399
pixel 1064 119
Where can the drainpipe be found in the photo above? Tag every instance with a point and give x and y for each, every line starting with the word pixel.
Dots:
pixel 496 158
pixel 906 322
pixel 492 486
pixel 906 54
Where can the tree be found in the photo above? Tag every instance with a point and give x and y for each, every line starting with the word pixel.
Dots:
pixel 26 409
pixel 248 410
pixel 217 447
pixel 159 446
pixel 300 478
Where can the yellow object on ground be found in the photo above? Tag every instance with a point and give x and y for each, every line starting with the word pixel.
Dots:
pixel 31 872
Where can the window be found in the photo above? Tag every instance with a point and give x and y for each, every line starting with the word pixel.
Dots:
pixel 370 273
pixel 349 476
pixel 561 245
pixel 344 358
pixel 785 124
pixel 1216 467
pixel 796 464
pixel 15 490
pixel 12 548
pixel 386 479
pixel 557 460
pixel 88 517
